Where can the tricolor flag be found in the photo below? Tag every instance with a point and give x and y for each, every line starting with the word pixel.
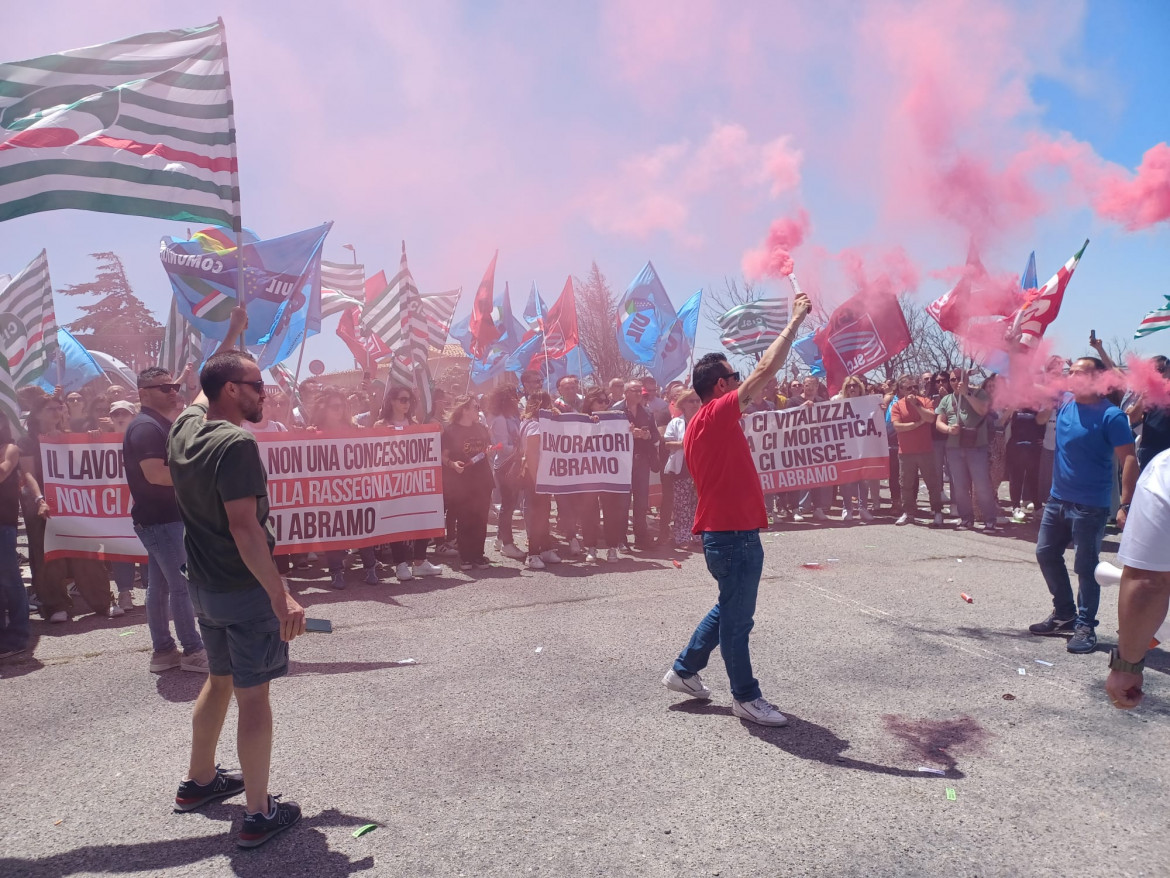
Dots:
pixel 28 323
pixel 1041 306
pixel 1155 320
pixel 749 329
pixel 9 404
pixel 141 126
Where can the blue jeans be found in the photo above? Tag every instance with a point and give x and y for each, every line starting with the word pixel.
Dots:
pixel 1062 524
pixel 122 572
pixel 972 466
pixel 858 491
pixel 736 559
pixel 14 627
pixel 166 584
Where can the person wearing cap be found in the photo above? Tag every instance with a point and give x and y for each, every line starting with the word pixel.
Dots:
pixel 158 523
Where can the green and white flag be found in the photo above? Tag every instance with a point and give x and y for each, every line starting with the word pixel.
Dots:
pixel 28 323
pixel 180 345
pixel 141 126
pixel 9 404
pixel 1157 319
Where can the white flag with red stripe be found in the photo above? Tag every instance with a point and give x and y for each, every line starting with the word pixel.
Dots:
pixel 28 323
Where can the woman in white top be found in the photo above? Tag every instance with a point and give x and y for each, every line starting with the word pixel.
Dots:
pixel 685 498
pixel 855 495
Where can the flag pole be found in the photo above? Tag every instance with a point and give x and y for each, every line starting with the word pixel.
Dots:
pixel 237 219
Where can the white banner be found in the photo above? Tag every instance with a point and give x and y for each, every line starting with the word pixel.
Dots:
pixel 330 490
pixel 579 454
pixel 827 443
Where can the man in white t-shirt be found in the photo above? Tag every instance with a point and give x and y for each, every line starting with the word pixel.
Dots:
pixel 1145 582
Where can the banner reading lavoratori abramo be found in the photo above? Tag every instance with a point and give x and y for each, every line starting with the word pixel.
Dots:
pixel 582 453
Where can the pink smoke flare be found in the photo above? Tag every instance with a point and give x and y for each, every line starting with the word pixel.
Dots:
pixel 773 258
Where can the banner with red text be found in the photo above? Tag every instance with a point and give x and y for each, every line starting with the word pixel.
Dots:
pixel 828 443
pixel 327 490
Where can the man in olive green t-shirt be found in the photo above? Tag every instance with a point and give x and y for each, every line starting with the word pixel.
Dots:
pixel 246 614
pixel 964 416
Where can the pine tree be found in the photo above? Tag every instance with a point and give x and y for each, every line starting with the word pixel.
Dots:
pixel 118 323
pixel 597 327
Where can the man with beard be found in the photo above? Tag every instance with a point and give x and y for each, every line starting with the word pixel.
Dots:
pixel 245 611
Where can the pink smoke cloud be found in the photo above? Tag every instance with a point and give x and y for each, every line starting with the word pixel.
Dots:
pixel 1143 200
pixel 774 257
pixel 660 190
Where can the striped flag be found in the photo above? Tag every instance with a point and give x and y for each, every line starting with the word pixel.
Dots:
pixel 141 126
pixel 436 311
pixel 181 344
pixel 342 287
pixel 749 328
pixel 1041 306
pixel 28 323
pixel 9 404
pixel 1155 320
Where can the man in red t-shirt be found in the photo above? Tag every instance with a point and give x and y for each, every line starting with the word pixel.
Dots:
pixel 729 515
pixel 913 419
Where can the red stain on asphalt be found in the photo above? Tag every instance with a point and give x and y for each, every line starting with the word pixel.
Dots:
pixel 934 739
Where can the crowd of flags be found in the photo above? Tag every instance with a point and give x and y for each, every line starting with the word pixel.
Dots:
pixel 145 126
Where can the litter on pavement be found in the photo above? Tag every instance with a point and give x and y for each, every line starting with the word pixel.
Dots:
pixel 362 830
pixel 927 770
pixel 1046 664
pixel 950 794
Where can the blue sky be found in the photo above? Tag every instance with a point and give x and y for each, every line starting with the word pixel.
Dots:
pixel 626 131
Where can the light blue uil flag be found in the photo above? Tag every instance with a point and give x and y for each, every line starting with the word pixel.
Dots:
pixel 282 287
pixel 645 314
pixel 495 361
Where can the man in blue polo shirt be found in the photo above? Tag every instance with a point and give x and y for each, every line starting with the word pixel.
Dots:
pixel 1090 433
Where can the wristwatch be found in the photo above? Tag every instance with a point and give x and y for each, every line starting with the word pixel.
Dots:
pixel 1117 663
pixel 1124 507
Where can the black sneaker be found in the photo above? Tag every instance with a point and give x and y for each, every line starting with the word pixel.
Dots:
pixel 192 795
pixel 1052 625
pixel 258 828
pixel 1083 641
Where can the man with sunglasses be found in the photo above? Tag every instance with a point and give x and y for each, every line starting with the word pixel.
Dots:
pixel 157 522
pixel 245 611
pixel 729 514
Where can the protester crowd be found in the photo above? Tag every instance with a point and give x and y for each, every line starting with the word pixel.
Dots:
pixel 954 439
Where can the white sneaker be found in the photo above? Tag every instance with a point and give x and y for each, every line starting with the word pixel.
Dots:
pixel 534 562
pixel 797 517
pixel 866 515
pixel 115 611
pixel 196 662
pixel 550 557
pixel 403 572
pixel 760 712
pixel 692 686
pixel 1031 507
pixel 611 555
pixel 819 514
pixel 847 515
pixel 126 600
pixel 574 546
pixel 511 550
pixel 59 616
pixel 164 661
pixel 590 556
pixel 446 550
pixel 1018 515
pixel 426 568
pixel 904 518
pixel 497 545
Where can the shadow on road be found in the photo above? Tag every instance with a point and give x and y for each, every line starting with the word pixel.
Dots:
pixel 304 842
pixel 807 740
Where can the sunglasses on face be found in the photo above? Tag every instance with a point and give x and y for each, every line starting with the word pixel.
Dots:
pixel 730 376
pixel 258 386
pixel 172 387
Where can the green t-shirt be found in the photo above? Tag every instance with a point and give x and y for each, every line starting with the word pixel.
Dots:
pixel 959 411
pixel 211 463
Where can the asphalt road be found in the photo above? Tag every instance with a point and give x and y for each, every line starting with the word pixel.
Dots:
pixel 531 735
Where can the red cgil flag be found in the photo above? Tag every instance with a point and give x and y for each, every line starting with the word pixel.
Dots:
pixel 366 347
pixel 560 324
pixel 862 333
pixel 481 326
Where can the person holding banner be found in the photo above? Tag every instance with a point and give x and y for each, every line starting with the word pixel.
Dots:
pixel 854 492
pixel 646 439
pixel 729 515
pixel 537 507
pixel 329 412
pixel 592 505
pixel 398 413
pixel 467 481
pixel 245 610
